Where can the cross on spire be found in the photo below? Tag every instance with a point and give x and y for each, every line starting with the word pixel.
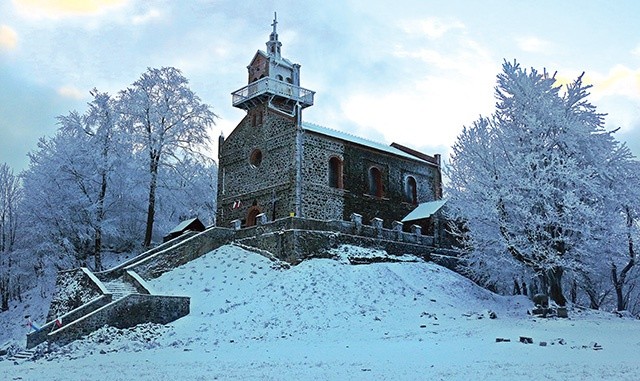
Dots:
pixel 273 45
pixel 275 23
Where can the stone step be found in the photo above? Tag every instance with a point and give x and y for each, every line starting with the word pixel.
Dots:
pixel 23 355
pixel 120 288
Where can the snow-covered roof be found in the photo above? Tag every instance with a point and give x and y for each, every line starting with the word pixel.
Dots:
pixel 424 210
pixel 358 140
pixel 182 225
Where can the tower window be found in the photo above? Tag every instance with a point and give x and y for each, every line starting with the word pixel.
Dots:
pixel 335 173
pixel 375 182
pixel 255 158
pixel 411 190
pixel 279 77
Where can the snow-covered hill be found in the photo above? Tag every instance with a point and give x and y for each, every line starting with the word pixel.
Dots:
pixel 253 319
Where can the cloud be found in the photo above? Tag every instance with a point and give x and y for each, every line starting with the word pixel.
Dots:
pixel 620 80
pixel 452 84
pixel 71 92
pixel 533 44
pixel 8 38
pixel 433 28
pixel 636 51
pixel 55 9
pixel 151 15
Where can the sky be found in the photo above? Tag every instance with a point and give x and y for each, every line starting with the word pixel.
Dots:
pixel 408 71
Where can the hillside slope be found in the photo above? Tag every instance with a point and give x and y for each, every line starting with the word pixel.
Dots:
pixel 324 319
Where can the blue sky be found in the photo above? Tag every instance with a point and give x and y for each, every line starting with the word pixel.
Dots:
pixel 408 71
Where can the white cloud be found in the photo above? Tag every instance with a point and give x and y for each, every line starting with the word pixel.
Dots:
pixel 56 9
pixel 636 51
pixel 533 44
pixel 71 92
pixel 8 38
pixel 432 28
pixel 620 80
pixel 151 15
pixel 453 85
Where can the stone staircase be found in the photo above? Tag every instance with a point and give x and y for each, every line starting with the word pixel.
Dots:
pixel 22 356
pixel 120 288
pixel 120 297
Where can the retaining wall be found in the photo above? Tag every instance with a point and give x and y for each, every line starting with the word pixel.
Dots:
pixel 73 289
pixel 37 337
pixel 168 259
pixel 124 313
pixel 294 239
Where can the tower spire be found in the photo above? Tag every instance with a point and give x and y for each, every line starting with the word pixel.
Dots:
pixel 273 45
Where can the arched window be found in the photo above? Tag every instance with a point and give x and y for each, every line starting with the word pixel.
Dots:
pixel 279 77
pixel 335 173
pixel 411 190
pixel 375 182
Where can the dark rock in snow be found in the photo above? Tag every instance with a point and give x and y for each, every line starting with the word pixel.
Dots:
pixel 526 340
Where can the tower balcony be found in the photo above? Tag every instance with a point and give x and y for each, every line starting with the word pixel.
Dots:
pixel 265 88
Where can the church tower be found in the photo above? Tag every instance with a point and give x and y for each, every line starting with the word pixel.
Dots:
pixel 273 80
pixel 260 162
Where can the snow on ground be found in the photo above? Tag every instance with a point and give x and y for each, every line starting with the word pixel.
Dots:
pixel 252 319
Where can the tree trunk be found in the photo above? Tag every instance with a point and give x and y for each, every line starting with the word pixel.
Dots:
pixel 97 254
pixel 554 285
pixel 574 291
pixel 4 294
pixel 97 247
pixel 153 168
pixel 620 280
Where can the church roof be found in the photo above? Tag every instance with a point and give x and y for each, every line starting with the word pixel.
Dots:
pixel 360 141
pixel 424 210
pixel 278 60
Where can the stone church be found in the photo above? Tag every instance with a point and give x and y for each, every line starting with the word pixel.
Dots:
pixel 274 165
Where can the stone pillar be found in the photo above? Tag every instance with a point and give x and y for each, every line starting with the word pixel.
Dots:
pixel 261 219
pixel 416 229
pixel 396 226
pixel 236 224
pixel 377 225
pixel 357 222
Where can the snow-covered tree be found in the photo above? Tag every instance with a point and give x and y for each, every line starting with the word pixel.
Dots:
pixel 531 183
pixel 10 194
pixel 96 134
pixel 168 122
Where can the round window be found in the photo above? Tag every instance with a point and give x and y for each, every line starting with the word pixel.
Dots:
pixel 256 157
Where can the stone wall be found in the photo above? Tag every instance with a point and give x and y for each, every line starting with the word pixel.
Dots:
pixel 73 289
pixel 320 201
pixel 295 239
pixel 124 313
pixel 166 260
pixel 37 337
pixel 393 205
pixel 240 180
pixel 119 270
